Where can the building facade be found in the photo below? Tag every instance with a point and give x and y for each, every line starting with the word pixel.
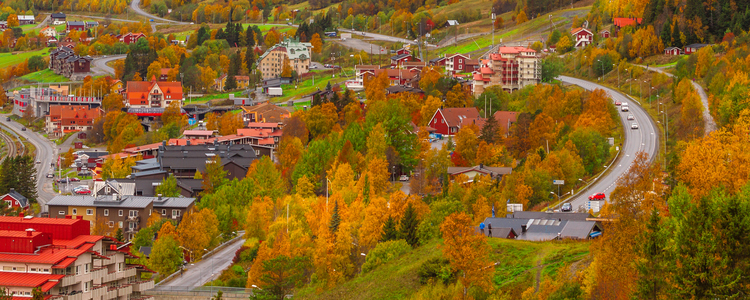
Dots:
pixel 512 68
pixel 271 63
pixel 63 119
pixel 153 94
pixel 62 259
pixel 583 37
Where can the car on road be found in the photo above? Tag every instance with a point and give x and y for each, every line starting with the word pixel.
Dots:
pixel 289 23
pixel 624 108
pixel 151 20
pixel 23 128
pixel 631 117
pixel 566 207
pixel 618 103
pixel 74 179
pixel 634 126
pixel 62 180
pixel 404 178
pixel 327 66
pixel 598 196
pixel 7 119
pixel 38 161
pixel 50 175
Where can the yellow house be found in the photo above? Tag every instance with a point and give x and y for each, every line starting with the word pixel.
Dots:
pixel 242 82
pixel 87 212
pixel 116 86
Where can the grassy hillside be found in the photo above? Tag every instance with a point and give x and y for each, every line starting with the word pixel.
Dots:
pixel 14 58
pixel 520 265
pixel 44 76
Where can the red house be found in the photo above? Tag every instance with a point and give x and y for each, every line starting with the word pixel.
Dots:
pixel 402 55
pixel 75 25
pixel 672 51
pixel 604 33
pixel 130 37
pixel 456 63
pixel 583 36
pixel 14 199
pixel 448 121
pixel 692 48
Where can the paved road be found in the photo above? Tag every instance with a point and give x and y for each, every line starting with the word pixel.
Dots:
pixel 379 37
pixel 208 269
pixel 643 139
pixel 135 6
pixel 45 152
pixel 708 121
pixel 363 45
pixel 100 64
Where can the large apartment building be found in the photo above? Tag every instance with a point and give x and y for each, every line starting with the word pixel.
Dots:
pixel 271 63
pixel 59 257
pixel 63 119
pixel 117 209
pixel 511 67
pixel 153 94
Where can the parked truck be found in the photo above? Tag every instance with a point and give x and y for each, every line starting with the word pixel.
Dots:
pixel 275 91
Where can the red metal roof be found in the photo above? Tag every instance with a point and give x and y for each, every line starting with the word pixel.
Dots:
pixel 77 241
pixel 515 50
pixel 57 228
pixel 65 263
pixel 48 256
pixel 622 22
pixel 11 279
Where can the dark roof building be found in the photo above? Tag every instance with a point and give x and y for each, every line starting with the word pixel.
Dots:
pixel 544 229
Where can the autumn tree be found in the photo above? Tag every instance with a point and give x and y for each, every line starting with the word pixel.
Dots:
pixel 166 256
pixel 286 69
pixel 467 251
pixel 281 275
pixel 112 102
pixel 375 87
pixel 214 177
pixel 458 97
pixel 564 44
pixel 173 114
pixel 317 43
pixel 198 230
pixel 230 122
pixel 12 20
pixel 521 18
pixel 168 187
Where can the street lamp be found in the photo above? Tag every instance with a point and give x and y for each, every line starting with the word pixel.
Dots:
pixel 618 76
pixel 212 262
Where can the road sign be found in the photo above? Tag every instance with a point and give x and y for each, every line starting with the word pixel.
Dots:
pixel 558 182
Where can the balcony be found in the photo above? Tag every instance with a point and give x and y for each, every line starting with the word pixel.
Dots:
pixel 143 286
pixel 68 280
pixel 98 274
pixel 124 291
pixel 99 292
pixel 109 277
pixel 77 296
pixel 134 219
pixel 111 293
pixel 129 272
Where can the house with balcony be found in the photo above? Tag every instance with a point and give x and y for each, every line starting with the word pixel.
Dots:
pixel 583 36
pixel 62 259
pixel 153 94
pixel 63 119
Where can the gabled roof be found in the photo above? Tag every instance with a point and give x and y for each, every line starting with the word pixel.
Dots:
pixel 696 46
pixel 11 279
pixel 76 23
pixel 480 169
pixel 514 50
pixel 454 115
pixel 579 29
pixel 622 22
pixel 58 15
pixel 401 56
pixel 268 112
pixel 18 197
pixel 671 48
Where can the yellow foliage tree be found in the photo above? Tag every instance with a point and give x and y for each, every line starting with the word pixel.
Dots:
pixel 198 230
pixel 521 18
pixel 467 252
pixel 317 43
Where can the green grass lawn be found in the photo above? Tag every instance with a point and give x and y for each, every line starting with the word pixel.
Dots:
pixel 210 97
pixel 11 59
pixel 307 87
pixel 516 270
pixel 44 76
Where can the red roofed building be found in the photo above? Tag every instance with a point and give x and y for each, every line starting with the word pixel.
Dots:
pixel 512 68
pixel 61 258
pixel 63 119
pixel 622 22
pixel 130 37
pixel 15 200
pixel 583 36
pixel 154 94
pixel 448 121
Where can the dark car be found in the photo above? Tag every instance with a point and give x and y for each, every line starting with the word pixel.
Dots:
pixel 62 180
pixel 566 207
pixel 23 128
pixel 598 196
pixel 7 119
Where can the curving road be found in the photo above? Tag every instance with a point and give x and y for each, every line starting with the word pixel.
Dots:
pixel 708 121
pixel 645 139
pixel 100 64
pixel 45 152
pixel 137 9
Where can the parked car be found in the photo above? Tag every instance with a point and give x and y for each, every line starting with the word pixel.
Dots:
pixel 634 126
pixel 74 179
pixel 83 192
pixel 38 161
pixel 62 180
pixel 597 196
pixel 50 175
pixel 631 117
pixel 566 207
pixel 82 174
pixel 403 178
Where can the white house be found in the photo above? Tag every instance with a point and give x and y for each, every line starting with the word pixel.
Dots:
pixel 49 31
pixel 583 36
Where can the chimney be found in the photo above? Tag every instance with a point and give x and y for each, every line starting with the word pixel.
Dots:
pixel 188 142
pixel 29 231
pixel 159 196
pixel 481 166
pixel 523 228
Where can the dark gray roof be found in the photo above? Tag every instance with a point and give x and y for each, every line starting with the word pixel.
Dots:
pixel 195 157
pixel 145 250
pixel 400 56
pixel 117 186
pixel 503 232
pixel 20 198
pixel 696 46
pixel 58 15
pixel 76 23
pixel 150 172
pixel 126 201
pixel 191 184
pixel 172 202
pixel 544 229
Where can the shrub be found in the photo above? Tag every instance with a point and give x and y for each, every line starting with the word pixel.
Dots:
pixel 436 269
pixel 385 252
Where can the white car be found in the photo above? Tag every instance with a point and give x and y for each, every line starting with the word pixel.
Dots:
pixel 631 117
pixel 403 178
pixel 634 126
pixel 624 107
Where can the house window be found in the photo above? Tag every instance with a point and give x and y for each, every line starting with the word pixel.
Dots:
pixel 86 286
pixel 78 270
pixel 106 212
pixel 75 211
pixel 86 269
pixel 10 203
pixel 175 213
pixel 111 224
pixel 89 212
pixel 163 212
pixel 119 224
pixel 119 213
pixel 62 212
pixel 133 213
